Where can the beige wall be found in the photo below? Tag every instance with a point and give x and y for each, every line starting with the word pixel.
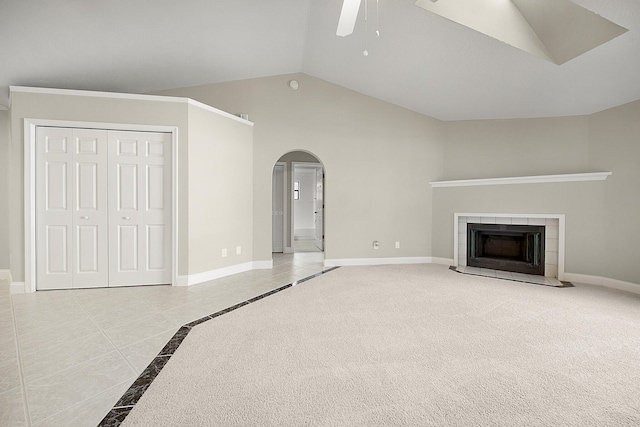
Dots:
pixel 5 139
pixel 581 203
pixel 520 147
pixel 378 160
pixel 218 144
pixel 614 145
pixel 602 233
pixel 220 191
pixel 86 109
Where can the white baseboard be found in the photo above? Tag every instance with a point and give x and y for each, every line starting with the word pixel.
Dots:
pixel 14 287
pixel 344 262
pixel 603 281
pixel 17 288
pixel 582 278
pixel 205 276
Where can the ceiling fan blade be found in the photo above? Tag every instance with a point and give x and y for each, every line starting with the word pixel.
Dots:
pixel 348 17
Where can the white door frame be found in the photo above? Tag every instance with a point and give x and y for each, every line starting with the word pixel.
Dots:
pixel 300 165
pixel 30 126
pixel 284 205
pixel 319 229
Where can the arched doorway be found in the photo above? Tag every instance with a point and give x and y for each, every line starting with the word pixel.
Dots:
pixel 298 204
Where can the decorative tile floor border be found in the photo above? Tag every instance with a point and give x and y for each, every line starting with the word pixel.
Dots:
pixel 123 407
pixel 515 277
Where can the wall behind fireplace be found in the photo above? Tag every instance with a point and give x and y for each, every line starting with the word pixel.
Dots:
pixel 515 147
pixel 581 202
pixel 602 234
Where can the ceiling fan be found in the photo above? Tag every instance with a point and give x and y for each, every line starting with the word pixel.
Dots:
pixel 348 16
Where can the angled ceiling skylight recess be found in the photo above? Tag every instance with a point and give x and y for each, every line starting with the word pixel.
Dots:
pixel 554 30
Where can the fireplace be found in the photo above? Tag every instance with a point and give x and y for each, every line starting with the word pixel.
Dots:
pixel 515 248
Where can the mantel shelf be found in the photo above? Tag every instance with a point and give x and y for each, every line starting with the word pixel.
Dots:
pixel 538 179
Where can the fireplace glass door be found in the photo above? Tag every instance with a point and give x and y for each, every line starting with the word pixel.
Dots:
pixel 516 248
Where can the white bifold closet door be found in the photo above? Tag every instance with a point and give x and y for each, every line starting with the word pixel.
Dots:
pixel 102 208
pixel 71 210
pixel 139 208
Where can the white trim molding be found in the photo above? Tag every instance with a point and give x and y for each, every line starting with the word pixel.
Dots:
pixel 291 202
pixel 285 205
pixel 603 281
pixel 539 179
pixel 344 262
pixel 205 276
pixel 131 96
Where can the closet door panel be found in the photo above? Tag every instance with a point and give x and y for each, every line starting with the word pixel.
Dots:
pixel 127 245
pixel 124 209
pixel 54 213
pixel 57 249
pixel 90 231
pixel 140 226
pixel 157 208
pixel 71 208
pixel 155 248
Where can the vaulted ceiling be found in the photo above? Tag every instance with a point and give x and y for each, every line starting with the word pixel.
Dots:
pixel 421 61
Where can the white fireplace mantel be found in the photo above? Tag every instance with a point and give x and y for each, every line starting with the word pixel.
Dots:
pixel 538 179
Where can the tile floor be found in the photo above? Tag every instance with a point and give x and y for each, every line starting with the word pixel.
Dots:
pixel 305 245
pixel 67 356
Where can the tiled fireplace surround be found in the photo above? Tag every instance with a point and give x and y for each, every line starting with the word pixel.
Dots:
pixel 554 236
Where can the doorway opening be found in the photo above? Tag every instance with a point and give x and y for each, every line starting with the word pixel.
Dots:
pixel 298 204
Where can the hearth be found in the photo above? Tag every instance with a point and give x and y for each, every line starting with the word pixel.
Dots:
pixel 516 248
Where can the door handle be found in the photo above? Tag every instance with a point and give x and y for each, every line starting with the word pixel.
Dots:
pixel 126 217
pixel 84 217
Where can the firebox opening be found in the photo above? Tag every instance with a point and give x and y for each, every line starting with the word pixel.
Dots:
pixel 516 248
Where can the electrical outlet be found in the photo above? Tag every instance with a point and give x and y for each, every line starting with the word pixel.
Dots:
pixel 224 252
pixel 376 244
pixel 397 245
pixel 238 250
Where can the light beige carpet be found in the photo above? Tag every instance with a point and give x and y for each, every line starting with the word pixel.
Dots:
pixel 412 345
